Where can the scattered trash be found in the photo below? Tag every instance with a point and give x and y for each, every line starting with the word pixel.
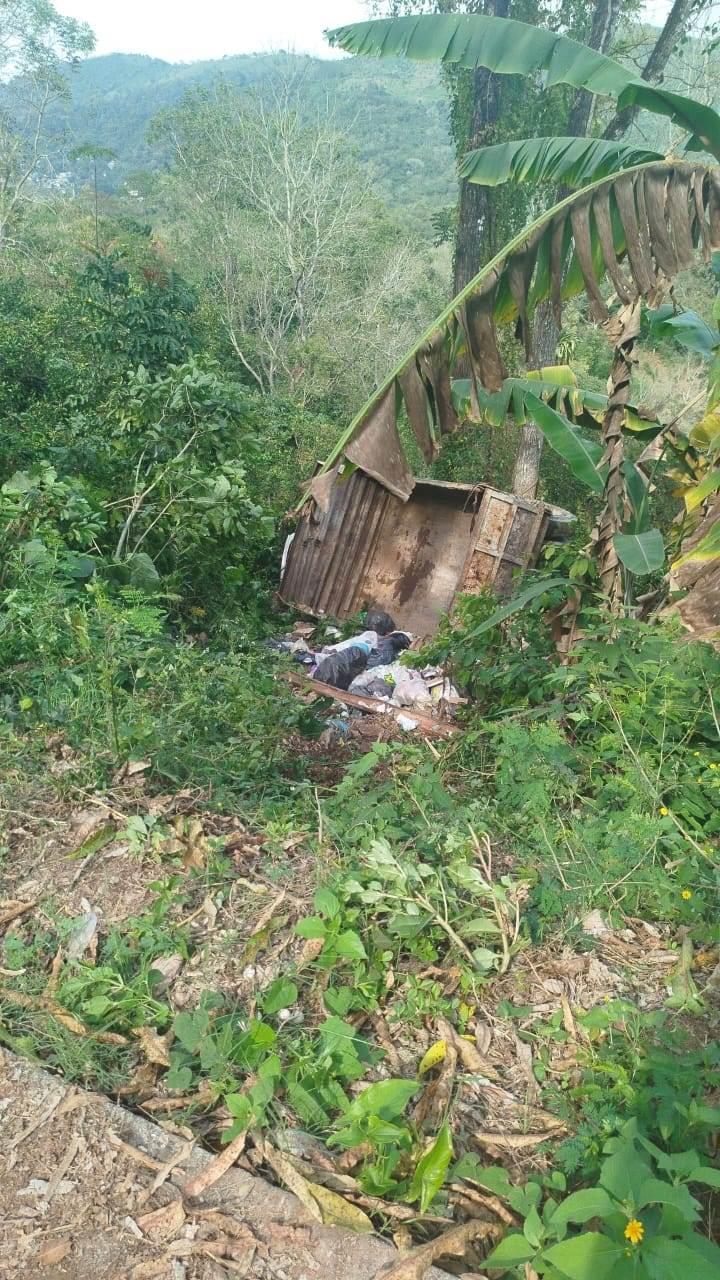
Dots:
pixel 340 669
pixel 388 648
pixel 367 665
pixel 406 723
pixel 370 638
pixel 379 621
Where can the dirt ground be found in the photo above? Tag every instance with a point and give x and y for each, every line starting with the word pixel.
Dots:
pixel 91 1191
pixel 79 1175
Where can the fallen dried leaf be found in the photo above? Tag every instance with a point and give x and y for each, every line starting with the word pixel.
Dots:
pixel 219 1165
pixel 169 967
pixel 483 1037
pixel 293 1180
pixel 154 1046
pixel 595 925
pixel 453 1244
pixel 11 908
pixel 336 1211
pixel 523 1053
pixel 163 1223
pixel 435 1098
pixel 53 1253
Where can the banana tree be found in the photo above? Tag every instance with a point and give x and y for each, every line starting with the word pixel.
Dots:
pixel 636 217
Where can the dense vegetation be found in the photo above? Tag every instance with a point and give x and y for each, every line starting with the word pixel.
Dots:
pixel 175 355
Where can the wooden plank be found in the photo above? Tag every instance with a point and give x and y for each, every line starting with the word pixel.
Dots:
pixel 428 724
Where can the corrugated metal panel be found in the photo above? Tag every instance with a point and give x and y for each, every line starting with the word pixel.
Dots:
pixel 329 553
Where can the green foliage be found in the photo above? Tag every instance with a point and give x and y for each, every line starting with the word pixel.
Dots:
pixel 646 1214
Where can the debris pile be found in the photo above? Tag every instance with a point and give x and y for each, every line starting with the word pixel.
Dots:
pixel 368 672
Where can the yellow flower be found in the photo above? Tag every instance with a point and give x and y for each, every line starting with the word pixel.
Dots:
pixel 663 811
pixel 686 894
pixel 634 1231
pixel 713 765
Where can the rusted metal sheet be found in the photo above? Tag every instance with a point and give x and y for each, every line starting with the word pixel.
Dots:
pixel 411 558
pixel 328 557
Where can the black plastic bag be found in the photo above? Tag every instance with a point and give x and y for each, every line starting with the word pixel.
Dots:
pixel 378 620
pixel 388 649
pixel 340 669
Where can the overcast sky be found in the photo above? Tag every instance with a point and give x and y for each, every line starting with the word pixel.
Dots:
pixel 185 30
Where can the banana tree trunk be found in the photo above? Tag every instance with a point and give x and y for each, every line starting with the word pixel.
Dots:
pixel 613 514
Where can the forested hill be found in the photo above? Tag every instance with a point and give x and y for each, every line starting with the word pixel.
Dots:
pixel 384 106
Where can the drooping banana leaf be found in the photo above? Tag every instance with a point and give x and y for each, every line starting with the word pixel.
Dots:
pixel 508 47
pixel 685 327
pixel 571 161
pixel 641 226
pixel 558 387
pixel 583 456
pixel 702 122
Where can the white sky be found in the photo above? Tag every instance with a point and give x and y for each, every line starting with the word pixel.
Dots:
pixel 187 30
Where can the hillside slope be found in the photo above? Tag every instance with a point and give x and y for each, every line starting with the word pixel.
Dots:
pixel 396 112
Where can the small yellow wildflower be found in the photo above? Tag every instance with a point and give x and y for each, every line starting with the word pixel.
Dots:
pixel 696 753
pixel 634 1231
pixel 686 894
pixel 713 765
pixel 663 811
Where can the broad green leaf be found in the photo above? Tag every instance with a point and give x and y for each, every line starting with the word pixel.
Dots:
pixel 624 1173
pixel 492 1177
pixel 641 553
pixel 707 549
pixel 503 45
pixel 518 602
pixel 387 1099
pixel 590 1256
pixel 191 1028
pixel 326 903
pixel 533 1229
pixel 704 489
pixel 349 944
pixel 96 841
pixel 708 1176
pixel 238 1104
pixel 143 573
pixel 700 121
pixel 311 927
pixel 430 1170
pixel 569 161
pixel 511 1252
pixel 443 336
pixel 655 1191
pixel 178 1078
pixel 281 993
pixel 582 456
pixel 557 386
pixel 582 1205
pixel 685 327
pixel 97 1006
pixel 667 1259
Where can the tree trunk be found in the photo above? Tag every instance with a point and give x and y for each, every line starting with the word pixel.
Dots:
pixel 653 71
pixel 475 232
pixel 526 471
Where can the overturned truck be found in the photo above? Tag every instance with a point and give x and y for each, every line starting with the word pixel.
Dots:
pixel 410 548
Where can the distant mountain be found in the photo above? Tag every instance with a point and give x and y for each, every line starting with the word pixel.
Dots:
pixel 395 112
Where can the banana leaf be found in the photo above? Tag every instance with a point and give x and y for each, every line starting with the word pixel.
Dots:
pixel 509 47
pixel 636 225
pixel 571 161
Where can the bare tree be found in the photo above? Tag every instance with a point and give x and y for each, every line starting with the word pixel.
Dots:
pixel 37 46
